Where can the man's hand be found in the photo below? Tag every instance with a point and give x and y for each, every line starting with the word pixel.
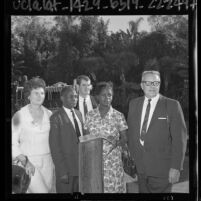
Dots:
pixel 65 179
pixel 174 175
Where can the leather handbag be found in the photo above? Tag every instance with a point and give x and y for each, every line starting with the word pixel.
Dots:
pixel 20 179
pixel 128 163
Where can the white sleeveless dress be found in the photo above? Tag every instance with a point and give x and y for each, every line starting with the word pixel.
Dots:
pixel 32 140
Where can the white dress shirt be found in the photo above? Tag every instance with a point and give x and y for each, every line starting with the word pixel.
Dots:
pixel 152 108
pixel 70 115
pixel 81 105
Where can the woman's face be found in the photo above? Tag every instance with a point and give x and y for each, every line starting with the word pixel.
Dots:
pixel 105 97
pixel 37 96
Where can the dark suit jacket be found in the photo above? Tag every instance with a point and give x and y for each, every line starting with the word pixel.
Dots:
pixel 64 143
pixel 165 140
pixel 93 102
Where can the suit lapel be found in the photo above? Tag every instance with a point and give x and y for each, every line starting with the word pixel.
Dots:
pixel 139 114
pixel 77 106
pixel 79 115
pixel 66 119
pixel 157 111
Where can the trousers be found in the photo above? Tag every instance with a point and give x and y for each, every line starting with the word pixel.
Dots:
pixel 148 184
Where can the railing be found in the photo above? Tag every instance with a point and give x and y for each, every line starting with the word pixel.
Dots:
pixel 122 96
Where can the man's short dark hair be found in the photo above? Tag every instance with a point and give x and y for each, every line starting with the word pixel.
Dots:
pixel 82 77
pixel 67 89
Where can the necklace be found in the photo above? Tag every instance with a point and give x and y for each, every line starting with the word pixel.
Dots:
pixel 37 115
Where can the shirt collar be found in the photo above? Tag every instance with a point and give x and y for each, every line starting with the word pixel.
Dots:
pixel 154 99
pixel 82 99
pixel 68 110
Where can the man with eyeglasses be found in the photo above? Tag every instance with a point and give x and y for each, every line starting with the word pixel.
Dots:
pixel 157 136
pixel 86 102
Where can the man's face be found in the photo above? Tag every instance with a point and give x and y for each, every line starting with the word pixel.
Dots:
pixel 150 85
pixel 69 99
pixel 84 87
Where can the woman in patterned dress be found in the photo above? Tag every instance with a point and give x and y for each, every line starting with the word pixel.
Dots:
pixel 30 139
pixel 109 123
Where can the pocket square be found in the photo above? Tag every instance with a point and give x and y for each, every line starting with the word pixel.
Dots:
pixel 162 117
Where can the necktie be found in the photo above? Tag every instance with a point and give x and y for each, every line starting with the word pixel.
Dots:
pixel 85 107
pixel 146 117
pixel 77 130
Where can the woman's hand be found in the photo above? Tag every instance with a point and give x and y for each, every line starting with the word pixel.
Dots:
pixel 30 169
pixel 86 132
pixel 123 139
pixel 22 159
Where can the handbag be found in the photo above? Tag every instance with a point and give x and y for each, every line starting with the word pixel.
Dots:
pixel 128 163
pixel 20 179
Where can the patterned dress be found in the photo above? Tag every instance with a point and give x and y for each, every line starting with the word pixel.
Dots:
pixel 109 127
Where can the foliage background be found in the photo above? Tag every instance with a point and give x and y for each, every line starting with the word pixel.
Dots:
pixel 67 46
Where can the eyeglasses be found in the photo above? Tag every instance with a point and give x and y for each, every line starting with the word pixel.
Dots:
pixel 149 83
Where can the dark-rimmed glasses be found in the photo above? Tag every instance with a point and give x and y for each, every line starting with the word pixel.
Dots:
pixel 149 83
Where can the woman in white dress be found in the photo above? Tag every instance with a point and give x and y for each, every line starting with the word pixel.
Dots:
pixel 30 139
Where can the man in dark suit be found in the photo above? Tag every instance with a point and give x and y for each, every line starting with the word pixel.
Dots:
pixel 157 137
pixel 86 102
pixel 66 127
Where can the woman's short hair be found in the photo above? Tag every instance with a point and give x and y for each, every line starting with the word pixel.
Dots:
pixel 101 86
pixel 33 83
